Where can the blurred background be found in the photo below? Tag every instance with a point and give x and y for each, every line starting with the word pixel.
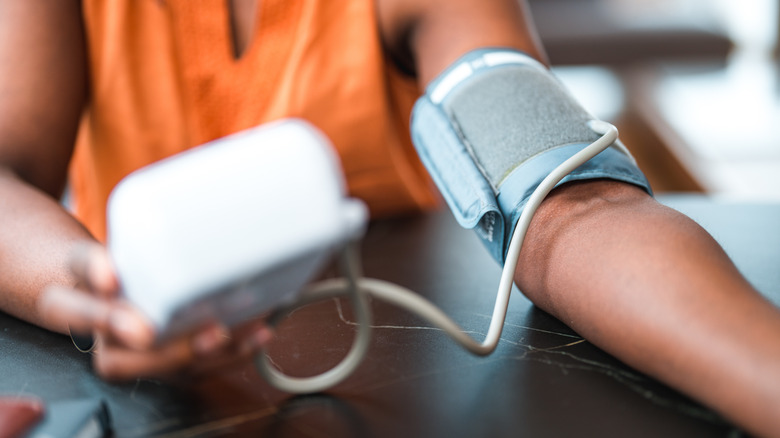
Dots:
pixel 692 85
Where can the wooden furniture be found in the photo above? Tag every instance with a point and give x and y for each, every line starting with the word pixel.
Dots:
pixel 543 380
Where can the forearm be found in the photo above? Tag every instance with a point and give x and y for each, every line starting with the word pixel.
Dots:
pixel 43 84
pixel 637 279
pixel 36 240
pixel 651 287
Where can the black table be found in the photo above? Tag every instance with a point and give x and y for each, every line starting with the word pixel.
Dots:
pixel 543 380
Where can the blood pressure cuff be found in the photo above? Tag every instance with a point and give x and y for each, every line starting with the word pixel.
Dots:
pixel 491 127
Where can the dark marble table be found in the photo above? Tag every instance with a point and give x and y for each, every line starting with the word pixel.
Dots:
pixel 543 380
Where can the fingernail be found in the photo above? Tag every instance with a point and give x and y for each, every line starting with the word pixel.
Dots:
pixel 101 273
pixel 131 329
pixel 258 339
pixel 209 341
pixel 69 308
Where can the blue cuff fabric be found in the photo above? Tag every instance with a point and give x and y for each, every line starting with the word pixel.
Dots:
pixel 520 184
pixel 469 195
pixel 476 203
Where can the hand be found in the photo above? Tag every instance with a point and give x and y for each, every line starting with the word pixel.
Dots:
pixel 126 346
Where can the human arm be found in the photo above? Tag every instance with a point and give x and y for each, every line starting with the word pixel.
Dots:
pixel 648 285
pixel 43 90
pixel 635 278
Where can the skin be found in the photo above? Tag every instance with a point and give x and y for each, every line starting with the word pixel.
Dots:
pixel 62 279
pixel 636 278
pixel 639 280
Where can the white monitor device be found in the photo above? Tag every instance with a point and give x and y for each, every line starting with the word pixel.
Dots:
pixel 230 229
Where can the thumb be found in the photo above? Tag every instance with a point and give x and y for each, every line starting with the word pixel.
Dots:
pixel 92 266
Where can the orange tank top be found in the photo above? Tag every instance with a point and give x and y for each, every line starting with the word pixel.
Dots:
pixel 164 79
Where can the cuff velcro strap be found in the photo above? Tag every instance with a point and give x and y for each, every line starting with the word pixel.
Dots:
pixel 491 127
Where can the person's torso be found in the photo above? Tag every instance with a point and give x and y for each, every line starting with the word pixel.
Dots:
pixel 164 78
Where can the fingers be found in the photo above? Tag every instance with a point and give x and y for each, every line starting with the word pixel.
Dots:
pixel 210 340
pixel 91 264
pixel 127 340
pixel 79 312
pixel 82 311
pixel 254 335
pixel 208 350
pixel 85 314
pixel 102 311
pixel 239 350
pixel 114 361
pixel 130 327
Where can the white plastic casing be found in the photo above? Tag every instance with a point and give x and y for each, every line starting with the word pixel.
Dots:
pixel 228 230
